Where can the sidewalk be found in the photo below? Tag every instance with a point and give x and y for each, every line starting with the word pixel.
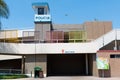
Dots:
pixel 70 78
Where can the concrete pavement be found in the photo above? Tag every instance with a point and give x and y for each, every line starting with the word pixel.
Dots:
pixel 70 78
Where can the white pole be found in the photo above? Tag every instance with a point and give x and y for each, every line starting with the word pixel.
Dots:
pixel 115 39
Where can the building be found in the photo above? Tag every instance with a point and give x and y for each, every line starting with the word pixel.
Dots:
pixel 91 48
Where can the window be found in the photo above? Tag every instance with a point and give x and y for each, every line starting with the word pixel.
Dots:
pixel 40 10
pixel 115 56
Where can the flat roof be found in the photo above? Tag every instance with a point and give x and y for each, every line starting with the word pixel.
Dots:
pixel 38 4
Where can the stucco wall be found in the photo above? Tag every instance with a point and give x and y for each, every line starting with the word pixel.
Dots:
pixel 114 63
pixel 35 60
pixel 41 28
pixel 97 28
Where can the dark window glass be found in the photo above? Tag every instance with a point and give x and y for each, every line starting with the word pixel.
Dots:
pixel 115 56
pixel 112 56
pixel 40 10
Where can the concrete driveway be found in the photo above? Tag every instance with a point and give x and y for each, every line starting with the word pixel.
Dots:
pixel 71 78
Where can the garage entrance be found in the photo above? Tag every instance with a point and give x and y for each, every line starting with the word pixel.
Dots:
pixel 67 65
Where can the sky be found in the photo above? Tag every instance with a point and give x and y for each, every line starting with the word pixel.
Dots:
pixel 63 12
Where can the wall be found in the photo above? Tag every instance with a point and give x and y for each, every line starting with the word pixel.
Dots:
pixel 114 63
pixel 68 27
pixel 49 48
pixel 94 70
pixel 35 60
pixel 41 28
pixel 97 28
pixel 94 29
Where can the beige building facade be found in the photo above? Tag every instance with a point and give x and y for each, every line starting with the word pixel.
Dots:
pixel 63 49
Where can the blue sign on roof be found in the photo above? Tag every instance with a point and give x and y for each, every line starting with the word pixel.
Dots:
pixel 40 4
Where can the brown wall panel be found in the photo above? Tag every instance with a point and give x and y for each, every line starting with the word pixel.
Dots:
pixel 96 29
pixel 114 63
pixel 35 60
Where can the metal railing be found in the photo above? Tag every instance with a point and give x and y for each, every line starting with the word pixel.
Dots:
pixel 10 71
pixel 113 35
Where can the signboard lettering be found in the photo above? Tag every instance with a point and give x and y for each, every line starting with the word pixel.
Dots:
pixel 42 18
